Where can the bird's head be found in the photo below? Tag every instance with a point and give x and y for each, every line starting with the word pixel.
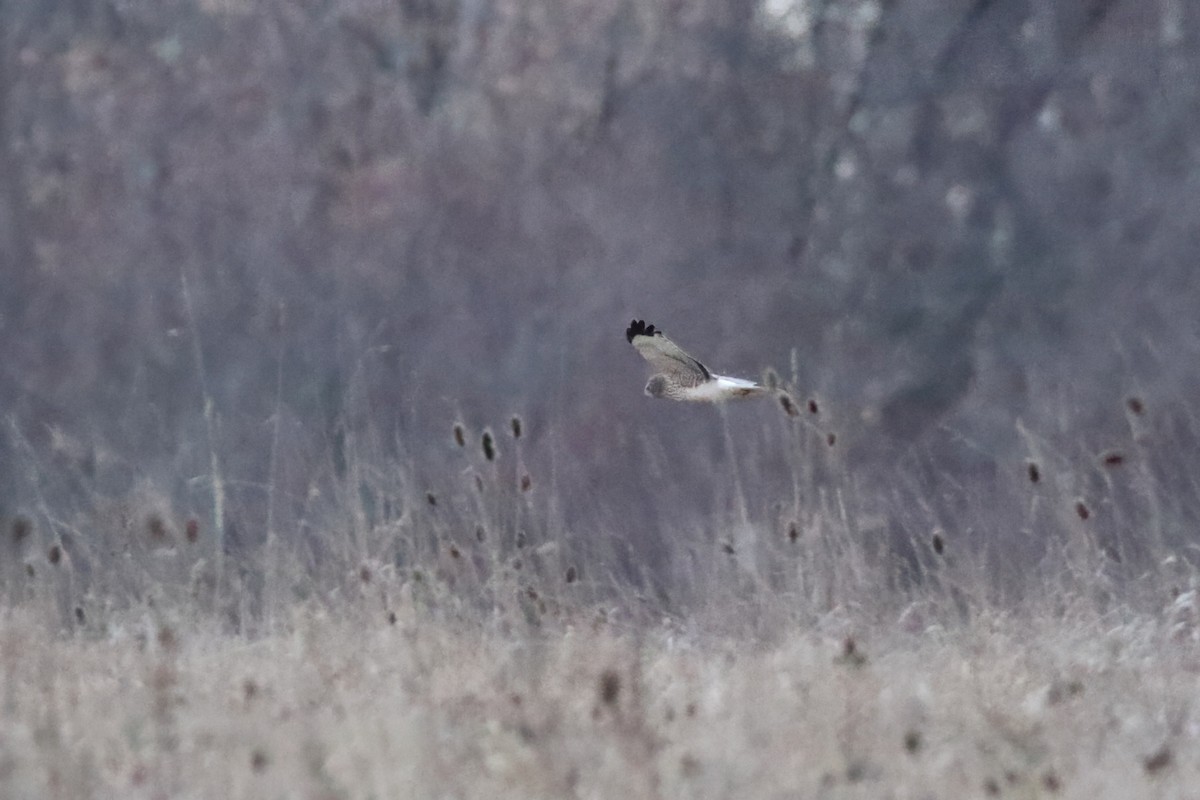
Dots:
pixel 657 386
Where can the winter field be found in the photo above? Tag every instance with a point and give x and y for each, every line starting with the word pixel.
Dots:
pixel 461 645
pixel 276 274
pixel 344 704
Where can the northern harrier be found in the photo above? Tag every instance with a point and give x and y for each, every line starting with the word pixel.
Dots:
pixel 681 377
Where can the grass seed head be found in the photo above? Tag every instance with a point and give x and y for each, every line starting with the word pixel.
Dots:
pixel 851 655
pixel 1051 781
pixel 789 407
pixel 610 687
pixel 21 528
pixel 771 378
pixel 156 529
pixel 1157 761
pixel 1060 692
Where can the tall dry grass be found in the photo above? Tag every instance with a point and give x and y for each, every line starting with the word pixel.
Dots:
pixel 436 626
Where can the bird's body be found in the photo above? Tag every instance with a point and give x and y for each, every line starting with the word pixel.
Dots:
pixel 681 377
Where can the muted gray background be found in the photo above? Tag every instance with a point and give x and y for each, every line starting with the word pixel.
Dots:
pixel 394 215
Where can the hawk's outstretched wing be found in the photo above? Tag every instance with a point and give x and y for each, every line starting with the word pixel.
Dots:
pixel 666 356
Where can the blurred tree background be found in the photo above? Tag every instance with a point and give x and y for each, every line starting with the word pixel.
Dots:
pixel 328 218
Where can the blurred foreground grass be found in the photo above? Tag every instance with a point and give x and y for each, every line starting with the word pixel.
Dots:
pixel 365 705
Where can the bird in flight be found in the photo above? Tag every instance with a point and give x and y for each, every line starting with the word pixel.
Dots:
pixel 681 377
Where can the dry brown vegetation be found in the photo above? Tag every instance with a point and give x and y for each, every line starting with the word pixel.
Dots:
pixel 349 703
pixel 462 643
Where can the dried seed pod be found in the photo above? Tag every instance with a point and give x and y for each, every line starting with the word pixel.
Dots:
pixel 156 529
pixel 610 687
pixel 1157 761
pixel 21 528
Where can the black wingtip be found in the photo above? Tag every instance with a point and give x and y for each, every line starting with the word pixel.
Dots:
pixel 638 327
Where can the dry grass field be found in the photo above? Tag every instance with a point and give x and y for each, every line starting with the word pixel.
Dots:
pixel 275 276
pixel 355 705
pixel 440 628
pixel 464 645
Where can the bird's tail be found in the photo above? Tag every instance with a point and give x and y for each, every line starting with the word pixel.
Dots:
pixel 739 387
